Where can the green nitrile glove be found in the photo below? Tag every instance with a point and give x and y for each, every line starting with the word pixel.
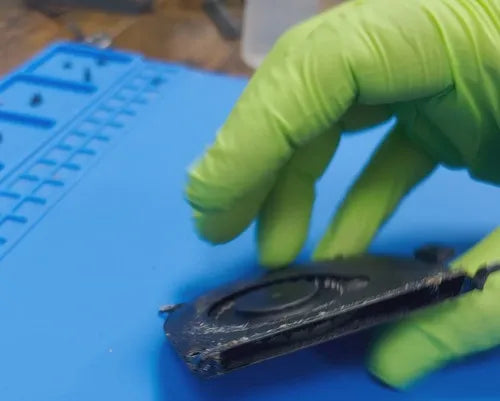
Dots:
pixel 433 337
pixel 435 64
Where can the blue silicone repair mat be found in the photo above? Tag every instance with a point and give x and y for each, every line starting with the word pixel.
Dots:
pixel 95 235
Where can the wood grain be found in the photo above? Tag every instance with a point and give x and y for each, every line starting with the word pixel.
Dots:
pixel 177 30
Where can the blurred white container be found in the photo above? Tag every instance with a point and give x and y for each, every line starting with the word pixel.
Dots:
pixel 265 20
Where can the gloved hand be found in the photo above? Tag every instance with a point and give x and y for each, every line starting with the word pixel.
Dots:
pixel 435 65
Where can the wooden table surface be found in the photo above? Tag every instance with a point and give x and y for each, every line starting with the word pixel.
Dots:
pixel 177 30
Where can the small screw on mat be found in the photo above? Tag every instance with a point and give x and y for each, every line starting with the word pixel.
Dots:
pixel 36 100
pixel 87 75
pixel 156 81
pixel 67 65
pixel 101 61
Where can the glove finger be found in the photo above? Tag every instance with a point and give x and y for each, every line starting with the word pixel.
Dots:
pixel 438 335
pixel 362 116
pixel 284 220
pixel 396 167
pixel 213 221
pixel 346 55
pixel 221 226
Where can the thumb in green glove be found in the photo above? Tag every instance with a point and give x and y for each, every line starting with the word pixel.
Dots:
pixel 431 338
pixel 434 64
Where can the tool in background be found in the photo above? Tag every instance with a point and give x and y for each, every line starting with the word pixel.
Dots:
pixel 228 26
pixel 263 22
pixel 122 6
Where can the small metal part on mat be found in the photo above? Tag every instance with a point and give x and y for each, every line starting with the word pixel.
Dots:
pixel 36 100
pixel 156 81
pixel 101 61
pixel 87 75
pixel 283 311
